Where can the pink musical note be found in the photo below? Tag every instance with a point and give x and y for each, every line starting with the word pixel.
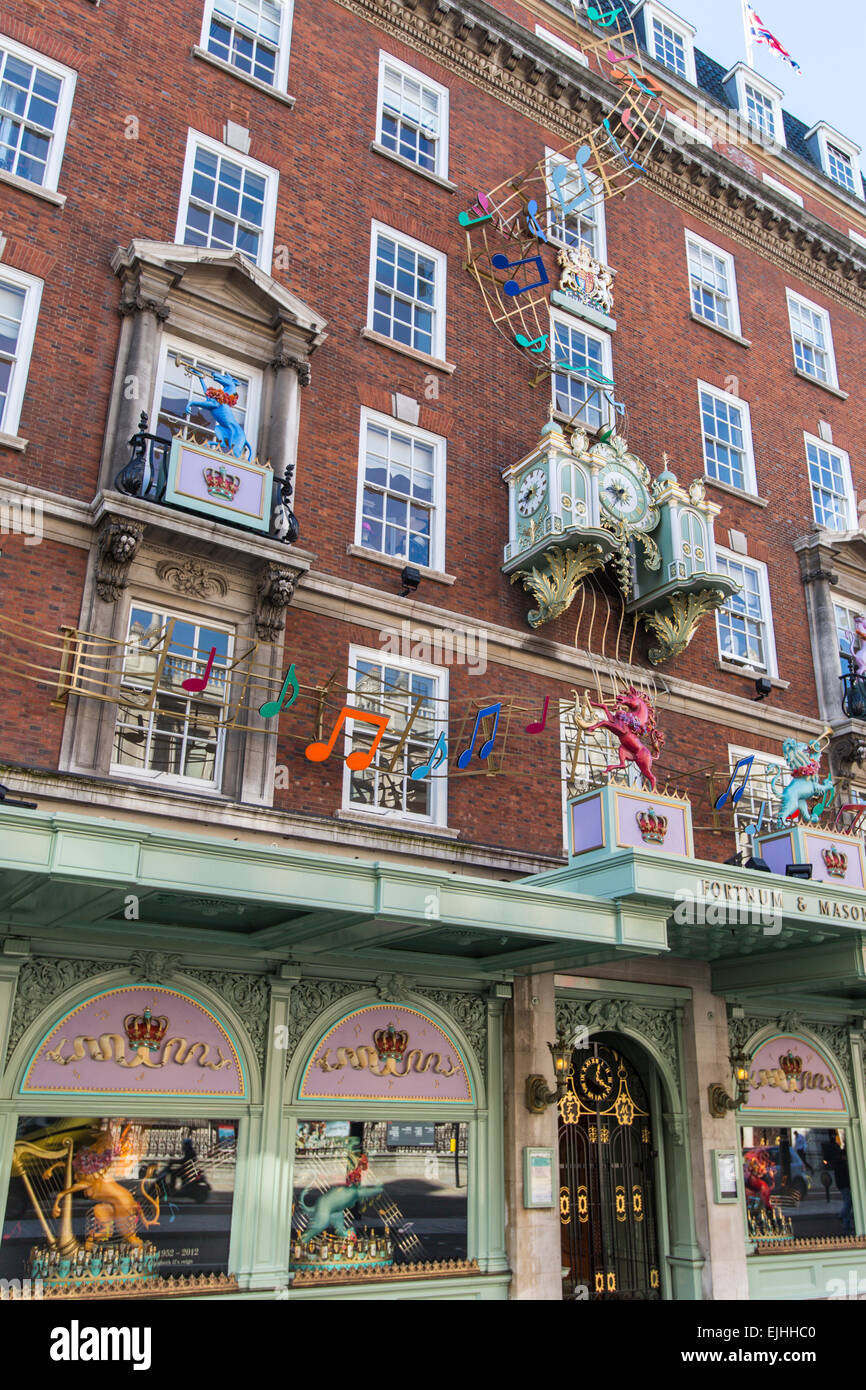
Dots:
pixel 536 728
pixel 561 172
pixel 466 219
pixel 197 683
pixel 501 261
pixel 359 760
pixel 485 749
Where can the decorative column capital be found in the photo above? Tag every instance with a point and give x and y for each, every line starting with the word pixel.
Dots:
pixel 138 304
pixel 117 545
pixel 274 592
pixel 300 364
pixel 819 575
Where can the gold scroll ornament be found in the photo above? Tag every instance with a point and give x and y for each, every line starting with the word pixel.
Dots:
pixel 367 1058
pixel 112 1047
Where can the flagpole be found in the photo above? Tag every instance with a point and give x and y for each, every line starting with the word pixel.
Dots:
pixel 747 29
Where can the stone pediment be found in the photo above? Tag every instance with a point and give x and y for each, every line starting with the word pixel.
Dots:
pixel 833 554
pixel 194 280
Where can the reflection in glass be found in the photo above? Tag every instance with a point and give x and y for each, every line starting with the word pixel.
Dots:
pixel 797 1182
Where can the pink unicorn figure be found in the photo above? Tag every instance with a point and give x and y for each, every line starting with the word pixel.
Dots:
pixel 632 722
pixel 860 654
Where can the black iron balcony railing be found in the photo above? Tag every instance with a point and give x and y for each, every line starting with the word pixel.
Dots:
pixel 146 476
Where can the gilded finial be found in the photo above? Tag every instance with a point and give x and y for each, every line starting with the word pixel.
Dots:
pixel 665 460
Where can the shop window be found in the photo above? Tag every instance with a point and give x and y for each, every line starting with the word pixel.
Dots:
pixel 165 732
pixel 135 1201
pixel 370 1196
pixel 414 699
pixel 797 1183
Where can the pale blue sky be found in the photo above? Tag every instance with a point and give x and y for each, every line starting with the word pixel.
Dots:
pixel 828 40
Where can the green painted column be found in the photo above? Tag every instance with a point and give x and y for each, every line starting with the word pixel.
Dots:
pixel 493 1210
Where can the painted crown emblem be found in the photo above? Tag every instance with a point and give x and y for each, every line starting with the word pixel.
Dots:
pixel 390 1042
pixel 143 1030
pixel 652 825
pixel 836 861
pixel 791 1065
pixel 220 483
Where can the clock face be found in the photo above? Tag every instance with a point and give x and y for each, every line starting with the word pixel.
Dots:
pixel 532 490
pixel 623 495
pixel 594 1081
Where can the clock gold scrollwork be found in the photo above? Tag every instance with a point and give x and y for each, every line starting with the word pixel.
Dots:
pixel 621 1209
pixel 637 1203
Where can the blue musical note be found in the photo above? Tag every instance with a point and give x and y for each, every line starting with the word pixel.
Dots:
pixel 562 172
pixel 617 146
pixel 532 219
pixel 419 773
pixel 735 796
pixel 534 344
pixel 501 261
pixel 756 829
pixel 485 749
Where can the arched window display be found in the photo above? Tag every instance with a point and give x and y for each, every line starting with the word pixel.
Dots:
pixel 795 1146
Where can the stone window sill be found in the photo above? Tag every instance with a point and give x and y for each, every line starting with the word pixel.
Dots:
pixel 391 822
pixel 246 77
pixel 437 362
pixel 12 441
pixel 415 168
pixel 824 385
pixel 47 194
pixel 748 674
pixel 363 552
pixel 736 491
pixel 725 332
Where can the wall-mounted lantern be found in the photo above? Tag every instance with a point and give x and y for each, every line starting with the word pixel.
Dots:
pixel 720 1101
pixel 538 1097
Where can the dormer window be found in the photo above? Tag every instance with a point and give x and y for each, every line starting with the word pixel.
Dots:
pixel 758 101
pixel 669 39
pixel 837 155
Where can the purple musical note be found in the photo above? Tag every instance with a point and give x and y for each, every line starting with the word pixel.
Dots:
pixel 501 261
pixel 562 172
pixel 538 728
pixel 196 684
pixel 486 747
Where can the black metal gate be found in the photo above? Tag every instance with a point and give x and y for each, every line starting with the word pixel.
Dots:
pixel 606 1195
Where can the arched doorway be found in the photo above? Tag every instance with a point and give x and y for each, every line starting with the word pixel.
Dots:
pixel 607 1182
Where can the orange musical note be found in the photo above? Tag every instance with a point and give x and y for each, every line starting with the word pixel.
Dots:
pixel 357 761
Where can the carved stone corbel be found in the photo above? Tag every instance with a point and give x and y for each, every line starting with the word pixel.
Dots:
pixel 274 592
pixel 117 545
pixel 154 965
pixel 137 304
pixel 300 364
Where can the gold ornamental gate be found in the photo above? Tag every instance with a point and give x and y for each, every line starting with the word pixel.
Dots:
pixel 606 1195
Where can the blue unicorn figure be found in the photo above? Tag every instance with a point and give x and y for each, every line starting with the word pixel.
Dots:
pixel 219 403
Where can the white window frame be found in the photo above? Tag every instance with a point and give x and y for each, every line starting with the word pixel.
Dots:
pixel 561 45
pixel 439 445
pixel 747 809
pixel 851 607
pixel 795 296
pixel 68 78
pixel 750 486
pixel 731 270
pixel 172 779
pixel 439 781
pixel 653 10
pixel 281 68
pixel 846 478
pixel 194 141
pixel 32 286
pixel 738 76
pixel 598 208
pixel 250 374
pixel 824 135
pixel 388 60
pixel 440 297
pixel 569 321
pixel 770 667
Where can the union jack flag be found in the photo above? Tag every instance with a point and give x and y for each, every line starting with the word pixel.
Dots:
pixel 761 34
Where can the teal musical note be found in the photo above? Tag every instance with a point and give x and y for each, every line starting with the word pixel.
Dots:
pixel 466 219
pixel 439 754
pixel 590 372
pixel 501 261
pixel 561 172
pixel 599 18
pixel 534 344
pixel 486 747
pixel 272 707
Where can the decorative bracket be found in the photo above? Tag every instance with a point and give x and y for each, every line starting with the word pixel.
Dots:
pixel 555 586
pixel 274 592
pixel 117 545
pixel 676 623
